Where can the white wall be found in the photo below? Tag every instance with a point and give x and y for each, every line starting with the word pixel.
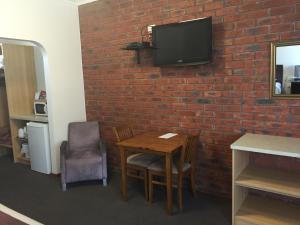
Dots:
pixel 81 2
pixel 54 24
pixel 39 69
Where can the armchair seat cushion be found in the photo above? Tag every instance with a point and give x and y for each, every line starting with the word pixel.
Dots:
pixel 159 166
pixel 83 165
pixel 142 159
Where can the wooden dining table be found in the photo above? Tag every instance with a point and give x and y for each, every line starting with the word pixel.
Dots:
pixel 151 143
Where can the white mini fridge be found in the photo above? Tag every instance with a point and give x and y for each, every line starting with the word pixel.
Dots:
pixel 39 147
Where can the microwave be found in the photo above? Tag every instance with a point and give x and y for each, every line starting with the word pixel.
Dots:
pixel 40 108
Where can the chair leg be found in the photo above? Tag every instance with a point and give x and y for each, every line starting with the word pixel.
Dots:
pixel 146 184
pixel 64 187
pixel 193 183
pixel 104 182
pixel 179 190
pixel 150 187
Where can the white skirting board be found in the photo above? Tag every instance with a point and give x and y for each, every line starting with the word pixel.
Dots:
pixel 18 216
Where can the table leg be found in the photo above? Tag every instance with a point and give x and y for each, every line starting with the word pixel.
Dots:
pixel 169 182
pixel 123 173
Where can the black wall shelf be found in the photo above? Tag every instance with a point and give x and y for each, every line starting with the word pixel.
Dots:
pixel 137 50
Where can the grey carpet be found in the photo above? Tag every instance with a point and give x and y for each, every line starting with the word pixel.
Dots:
pixel 39 196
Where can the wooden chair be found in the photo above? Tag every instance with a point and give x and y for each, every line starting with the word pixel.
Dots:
pixel 136 163
pixel 185 165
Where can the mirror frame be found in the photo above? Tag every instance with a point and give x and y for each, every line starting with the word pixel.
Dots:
pixel 274 45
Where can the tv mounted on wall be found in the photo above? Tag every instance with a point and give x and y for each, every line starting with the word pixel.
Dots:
pixel 184 43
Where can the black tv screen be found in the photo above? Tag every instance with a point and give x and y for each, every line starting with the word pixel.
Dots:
pixel 184 43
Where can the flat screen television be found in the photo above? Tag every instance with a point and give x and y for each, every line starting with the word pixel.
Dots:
pixel 184 43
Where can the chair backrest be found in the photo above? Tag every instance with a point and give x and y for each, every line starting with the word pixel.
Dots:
pixel 123 132
pixel 188 150
pixel 83 135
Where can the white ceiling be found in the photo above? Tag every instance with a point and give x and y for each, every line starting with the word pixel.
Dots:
pixel 81 2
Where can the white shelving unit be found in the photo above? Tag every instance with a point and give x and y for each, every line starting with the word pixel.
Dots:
pixel 256 210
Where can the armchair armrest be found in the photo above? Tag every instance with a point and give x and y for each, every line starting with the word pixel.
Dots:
pixel 102 148
pixel 63 147
pixel 63 152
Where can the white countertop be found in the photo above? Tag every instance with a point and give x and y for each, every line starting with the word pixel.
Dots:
pixel 34 118
pixel 268 144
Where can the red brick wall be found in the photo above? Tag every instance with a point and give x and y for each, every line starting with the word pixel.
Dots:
pixel 219 101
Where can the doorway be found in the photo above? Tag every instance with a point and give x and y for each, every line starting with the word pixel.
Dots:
pixel 22 85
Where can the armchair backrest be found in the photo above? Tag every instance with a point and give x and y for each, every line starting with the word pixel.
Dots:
pixel 83 135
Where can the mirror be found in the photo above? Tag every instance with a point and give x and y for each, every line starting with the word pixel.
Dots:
pixel 285 69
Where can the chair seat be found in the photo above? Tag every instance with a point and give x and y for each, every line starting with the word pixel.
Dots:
pixel 159 166
pixel 83 165
pixel 142 159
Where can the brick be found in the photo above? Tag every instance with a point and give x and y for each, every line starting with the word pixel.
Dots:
pixel 297 25
pixel 243 40
pixel 204 101
pixel 282 28
pixel 265 101
pixel 268 20
pixel 257 30
pixel 213 5
pixel 282 10
pixel 253 48
pixel 154 76
pixel 232 2
pixel 250 22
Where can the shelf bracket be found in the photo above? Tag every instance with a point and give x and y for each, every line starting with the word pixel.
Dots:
pixel 138 56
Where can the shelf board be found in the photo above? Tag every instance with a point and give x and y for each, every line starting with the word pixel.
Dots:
pixel 267 144
pixel 22 159
pixel 264 211
pixel 270 180
pixel 5 145
pixel 22 140
pixel 43 119
pixel 138 48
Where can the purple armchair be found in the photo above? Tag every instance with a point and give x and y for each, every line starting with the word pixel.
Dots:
pixel 83 156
